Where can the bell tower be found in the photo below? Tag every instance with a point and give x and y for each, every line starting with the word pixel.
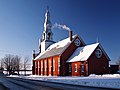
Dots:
pixel 47 37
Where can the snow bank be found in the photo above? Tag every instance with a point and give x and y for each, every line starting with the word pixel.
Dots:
pixel 107 80
pixel 106 75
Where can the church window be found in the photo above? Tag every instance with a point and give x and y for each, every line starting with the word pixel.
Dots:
pixel 70 67
pixel 77 42
pixel 41 66
pixel 50 65
pixel 38 64
pixel 75 67
pixel 58 64
pixel 45 65
pixel 98 53
pixel 82 67
pixel 53 65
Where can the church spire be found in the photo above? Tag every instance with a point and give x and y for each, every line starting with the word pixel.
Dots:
pixel 47 37
pixel 47 33
pixel 47 23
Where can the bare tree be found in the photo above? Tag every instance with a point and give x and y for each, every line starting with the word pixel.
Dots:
pixel 118 62
pixel 17 60
pixel 25 64
pixel 12 63
pixel 7 62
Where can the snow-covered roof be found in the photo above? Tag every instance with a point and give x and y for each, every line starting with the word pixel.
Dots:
pixel 82 53
pixel 56 48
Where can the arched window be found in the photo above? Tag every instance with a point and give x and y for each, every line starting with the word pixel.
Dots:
pixel 53 64
pixel 49 34
pixel 75 67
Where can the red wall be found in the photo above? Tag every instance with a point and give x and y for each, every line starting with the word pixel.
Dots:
pixel 79 70
pixel 93 65
pixel 42 69
pixel 50 66
pixel 56 72
pixel 98 65
pixel 45 65
pixel 66 55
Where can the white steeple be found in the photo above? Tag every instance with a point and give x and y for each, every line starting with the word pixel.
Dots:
pixel 47 33
pixel 47 37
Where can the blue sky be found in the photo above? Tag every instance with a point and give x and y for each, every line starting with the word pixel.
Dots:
pixel 21 23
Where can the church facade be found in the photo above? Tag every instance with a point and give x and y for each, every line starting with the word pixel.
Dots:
pixel 68 57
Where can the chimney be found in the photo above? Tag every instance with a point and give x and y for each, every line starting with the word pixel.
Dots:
pixel 70 35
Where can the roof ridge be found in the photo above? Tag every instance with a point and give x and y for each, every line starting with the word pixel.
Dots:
pixel 93 43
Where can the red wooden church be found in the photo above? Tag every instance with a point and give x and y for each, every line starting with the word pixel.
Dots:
pixel 68 57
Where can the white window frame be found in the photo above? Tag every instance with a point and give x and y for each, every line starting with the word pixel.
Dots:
pixel 75 67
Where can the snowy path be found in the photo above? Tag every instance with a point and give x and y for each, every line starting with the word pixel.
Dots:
pixel 10 85
pixel 2 87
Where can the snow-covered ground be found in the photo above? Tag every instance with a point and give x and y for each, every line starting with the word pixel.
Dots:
pixel 108 80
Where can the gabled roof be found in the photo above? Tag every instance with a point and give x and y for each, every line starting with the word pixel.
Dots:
pixel 56 48
pixel 83 53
